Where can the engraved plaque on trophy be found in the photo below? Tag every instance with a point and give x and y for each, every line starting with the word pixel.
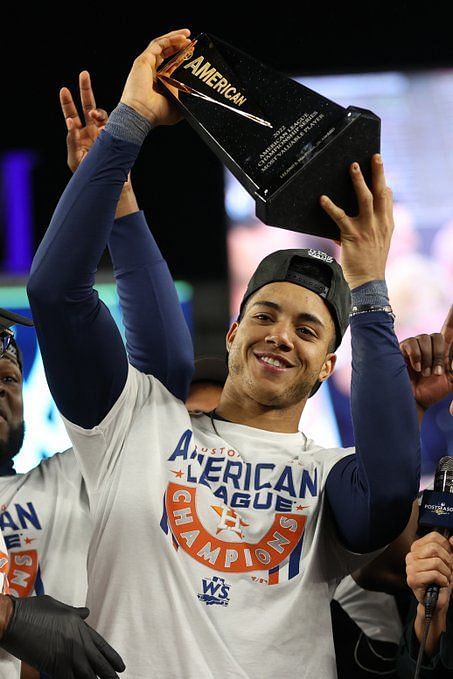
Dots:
pixel 286 144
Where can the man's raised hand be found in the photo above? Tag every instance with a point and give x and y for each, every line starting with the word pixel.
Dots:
pixel 141 92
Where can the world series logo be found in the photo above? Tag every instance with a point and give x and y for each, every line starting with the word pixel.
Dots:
pixel 215 592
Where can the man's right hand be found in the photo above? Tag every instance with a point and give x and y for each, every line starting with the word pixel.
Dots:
pixel 53 638
pixel 141 92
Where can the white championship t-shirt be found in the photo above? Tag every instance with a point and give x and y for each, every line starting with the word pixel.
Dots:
pixel 213 553
pixel 46 525
pixel 45 522
pixel 9 666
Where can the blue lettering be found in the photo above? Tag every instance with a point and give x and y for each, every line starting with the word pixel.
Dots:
pixel 262 505
pixel 190 478
pixel 240 500
pixel 222 494
pixel 309 483
pixel 232 465
pixel 12 541
pixel 248 473
pixel 211 472
pixel 286 483
pixel 6 521
pixel 258 468
pixel 182 447
pixel 210 587
pixel 224 590
pixel 31 515
pixel 282 504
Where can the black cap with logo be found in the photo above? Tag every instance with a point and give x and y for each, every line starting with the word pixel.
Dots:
pixel 9 346
pixel 311 269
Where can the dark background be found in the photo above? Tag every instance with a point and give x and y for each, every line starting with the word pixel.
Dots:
pixel 178 180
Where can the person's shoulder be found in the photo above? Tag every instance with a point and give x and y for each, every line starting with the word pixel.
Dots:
pixel 325 453
pixel 147 386
pixel 10 482
pixel 58 470
pixel 325 458
pixel 61 468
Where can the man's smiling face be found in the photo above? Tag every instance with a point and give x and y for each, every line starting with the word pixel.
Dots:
pixel 282 346
pixel 11 407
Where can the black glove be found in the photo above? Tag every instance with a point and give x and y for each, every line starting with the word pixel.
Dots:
pixel 53 638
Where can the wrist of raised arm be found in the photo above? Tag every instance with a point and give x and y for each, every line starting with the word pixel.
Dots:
pixel 128 124
pixel 372 292
pixel 370 297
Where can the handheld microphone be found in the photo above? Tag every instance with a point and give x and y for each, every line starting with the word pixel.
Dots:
pixel 436 513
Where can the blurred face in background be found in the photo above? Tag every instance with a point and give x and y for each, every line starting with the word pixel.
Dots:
pixel 204 396
pixel 11 408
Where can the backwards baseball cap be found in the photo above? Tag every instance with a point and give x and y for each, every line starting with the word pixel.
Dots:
pixel 312 269
pixel 8 345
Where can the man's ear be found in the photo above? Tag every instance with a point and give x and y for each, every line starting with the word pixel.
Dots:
pixel 328 367
pixel 231 334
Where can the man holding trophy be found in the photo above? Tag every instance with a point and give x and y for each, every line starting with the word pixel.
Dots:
pixel 219 538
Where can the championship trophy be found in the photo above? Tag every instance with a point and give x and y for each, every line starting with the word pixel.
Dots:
pixel 286 144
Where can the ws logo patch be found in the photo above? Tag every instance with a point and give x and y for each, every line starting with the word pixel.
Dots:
pixel 215 591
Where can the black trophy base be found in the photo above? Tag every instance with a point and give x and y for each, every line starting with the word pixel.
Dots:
pixel 295 205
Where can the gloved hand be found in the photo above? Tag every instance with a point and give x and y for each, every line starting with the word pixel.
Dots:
pixel 53 638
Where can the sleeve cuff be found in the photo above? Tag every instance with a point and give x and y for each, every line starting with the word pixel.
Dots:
pixel 126 124
pixel 373 292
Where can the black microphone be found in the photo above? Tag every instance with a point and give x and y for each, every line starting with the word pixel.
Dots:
pixel 436 513
pixel 443 480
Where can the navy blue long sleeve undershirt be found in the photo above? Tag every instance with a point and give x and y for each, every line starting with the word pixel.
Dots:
pixel 84 357
pixel 158 341
pixel 86 365
pixel 385 471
